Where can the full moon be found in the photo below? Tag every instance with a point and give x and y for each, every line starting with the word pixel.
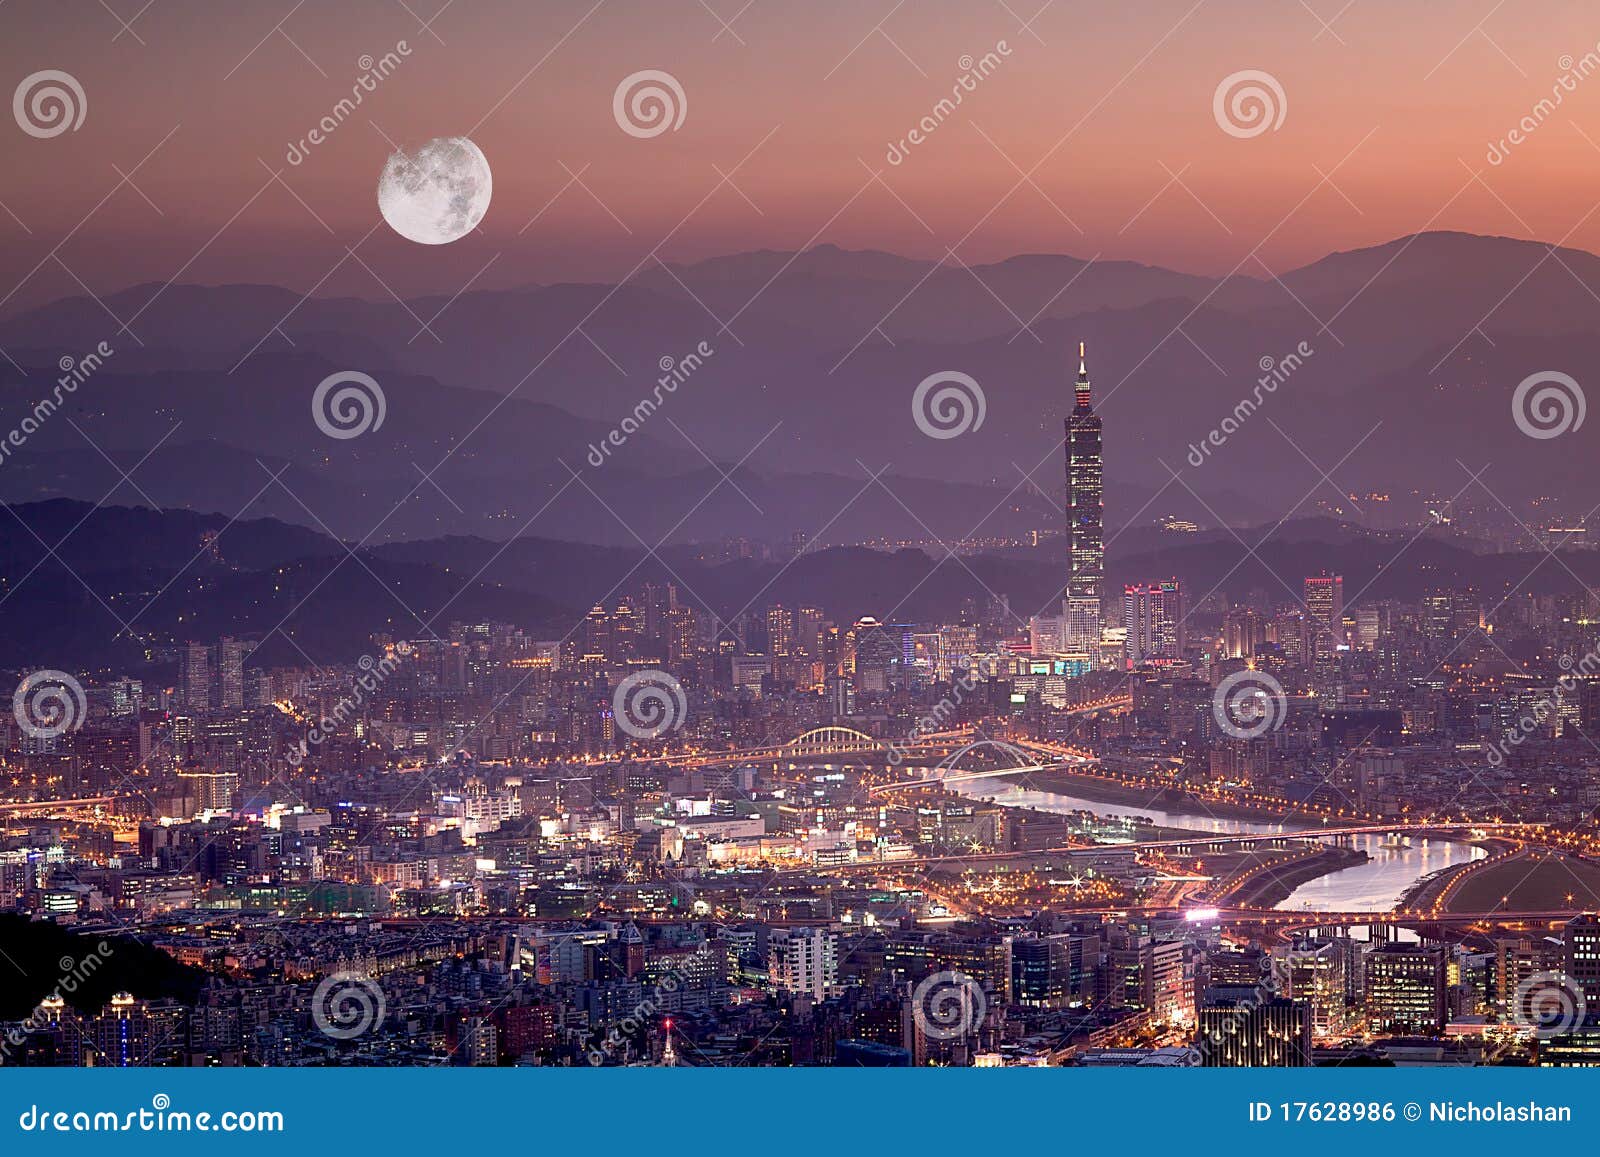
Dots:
pixel 437 194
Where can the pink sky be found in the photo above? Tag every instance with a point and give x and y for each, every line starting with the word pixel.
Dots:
pixel 1111 115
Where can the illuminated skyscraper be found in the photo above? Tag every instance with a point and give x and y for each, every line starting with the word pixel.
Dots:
pixel 1582 957
pixel 1243 630
pixel 1085 509
pixel 780 631
pixel 1273 1033
pixel 230 674
pixel 804 960
pixel 194 663
pixel 1153 614
pixel 1324 615
pixel 1405 989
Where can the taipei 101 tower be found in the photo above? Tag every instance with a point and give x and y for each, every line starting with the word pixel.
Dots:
pixel 1086 578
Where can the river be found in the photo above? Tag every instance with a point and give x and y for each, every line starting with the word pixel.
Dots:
pixel 1375 886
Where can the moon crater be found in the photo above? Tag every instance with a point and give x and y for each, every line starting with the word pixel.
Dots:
pixel 437 194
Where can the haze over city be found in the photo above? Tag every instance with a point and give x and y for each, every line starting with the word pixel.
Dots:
pixel 618 534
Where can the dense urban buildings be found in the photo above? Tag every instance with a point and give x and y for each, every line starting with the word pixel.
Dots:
pixel 1229 827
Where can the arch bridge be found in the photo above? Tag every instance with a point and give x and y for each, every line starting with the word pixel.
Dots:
pixel 831 740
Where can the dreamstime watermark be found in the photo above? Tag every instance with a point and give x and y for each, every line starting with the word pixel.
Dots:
pixel 947 404
pixel 1546 706
pixel 1248 704
pixel 159 1118
pixel 674 372
pixel 1274 372
pixel 1572 73
pixel 74 372
pixel 948 1004
pixel 615 1038
pixel 1549 1003
pixel 346 1005
pixel 648 103
pixel 1249 102
pixel 48 704
pixel 347 404
pixel 1548 404
pixel 73 974
pixel 938 715
pixel 372 71
pixel 1276 971
pixel 972 72
pixel 48 103
pixel 649 704
pixel 373 674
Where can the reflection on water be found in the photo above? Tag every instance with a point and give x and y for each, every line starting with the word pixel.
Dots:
pixel 1374 886
pixel 1199 821
pixel 1377 885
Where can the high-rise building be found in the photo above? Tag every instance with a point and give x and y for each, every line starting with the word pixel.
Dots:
pixel 195 675
pixel 1315 972
pixel 682 632
pixel 780 632
pixel 808 627
pixel 1372 622
pixel 1405 989
pixel 1271 1033
pixel 1153 614
pixel 1324 615
pixel 230 674
pixel 1581 944
pixel 876 651
pixel 477 1040
pixel 1446 615
pixel 1288 631
pixel 804 960
pixel 1243 630
pixel 1085 514
pixel 656 600
pixel 131 1033
pixel 1576 1047
pixel 1053 971
pixel 1151 974
pixel 211 790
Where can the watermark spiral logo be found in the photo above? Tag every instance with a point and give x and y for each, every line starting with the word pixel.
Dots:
pixel 346 1004
pixel 348 404
pixel 1249 102
pixel 48 704
pixel 1550 1003
pixel 649 704
pixel 1249 704
pixel 948 404
pixel 648 103
pixel 49 103
pixel 1548 404
pixel 948 1004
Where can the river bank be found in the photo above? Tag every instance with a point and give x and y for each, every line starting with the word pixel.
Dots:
pixel 1154 798
pixel 1374 883
pixel 1426 891
pixel 1278 885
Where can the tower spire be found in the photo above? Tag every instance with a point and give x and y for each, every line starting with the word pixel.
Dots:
pixel 1086 578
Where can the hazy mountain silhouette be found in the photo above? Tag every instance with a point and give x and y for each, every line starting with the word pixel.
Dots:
pixel 1415 347
pixel 120 590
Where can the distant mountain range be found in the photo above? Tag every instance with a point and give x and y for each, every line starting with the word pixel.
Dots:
pixel 112 589
pixel 495 399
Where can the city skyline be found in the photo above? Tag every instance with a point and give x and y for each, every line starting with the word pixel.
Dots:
pixel 570 536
